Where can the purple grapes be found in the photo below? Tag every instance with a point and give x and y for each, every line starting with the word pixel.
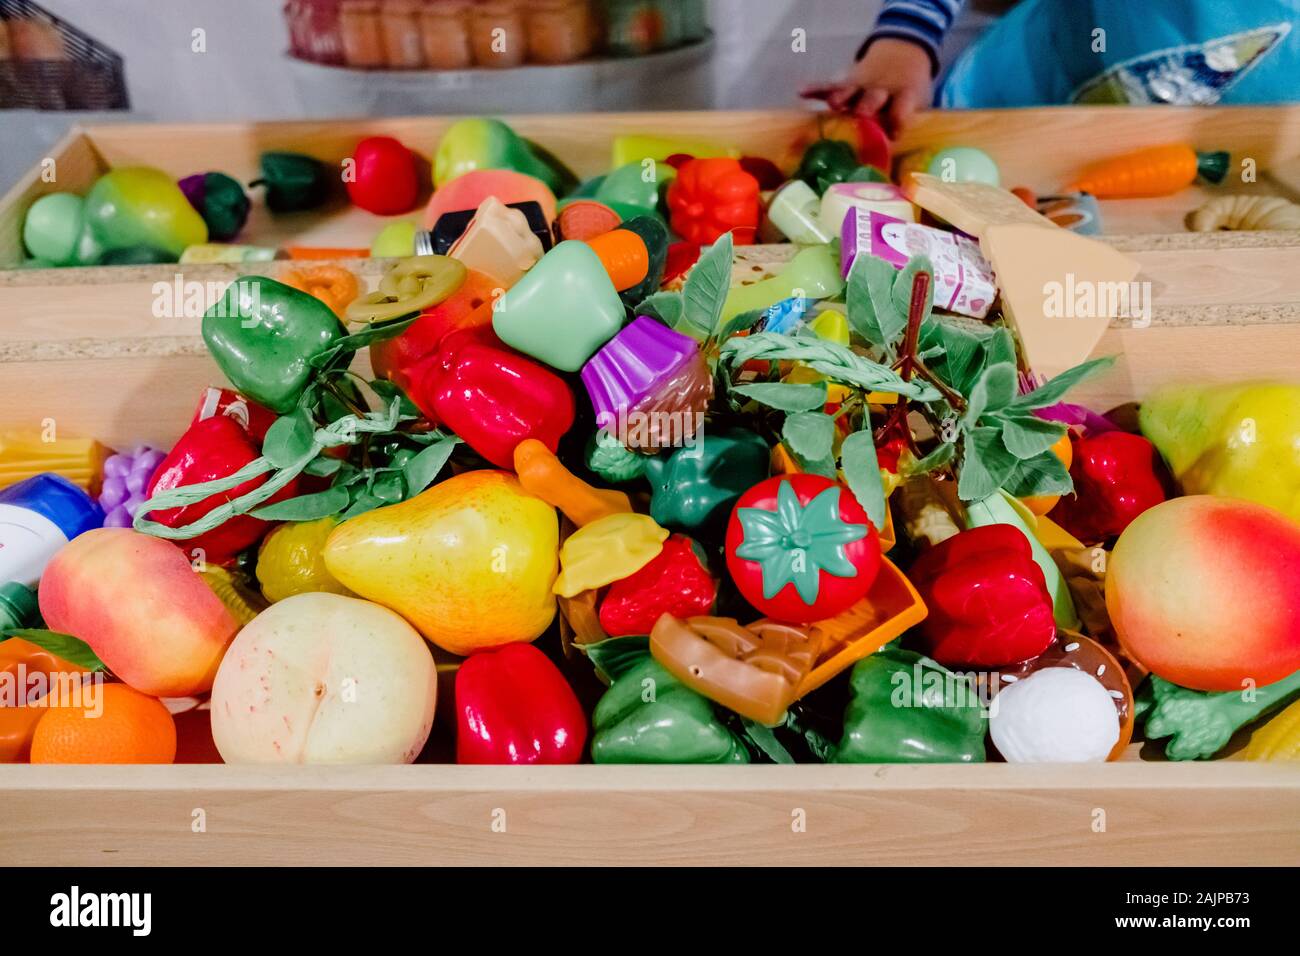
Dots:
pixel 126 476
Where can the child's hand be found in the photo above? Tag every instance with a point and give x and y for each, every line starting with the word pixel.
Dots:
pixel 893 79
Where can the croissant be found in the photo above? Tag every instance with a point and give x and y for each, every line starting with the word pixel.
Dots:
pixel 1245 213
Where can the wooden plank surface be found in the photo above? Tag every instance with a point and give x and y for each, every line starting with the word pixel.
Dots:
pixel 1041 147
pixel 1108 814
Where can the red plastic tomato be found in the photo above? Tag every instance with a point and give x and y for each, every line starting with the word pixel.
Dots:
pixel 801 549
pixel 384 180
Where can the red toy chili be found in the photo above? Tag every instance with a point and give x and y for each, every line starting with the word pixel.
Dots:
pixel 1115 480
pixel 490 396
pixel 988 601
pixel 514 706
pixel 213 448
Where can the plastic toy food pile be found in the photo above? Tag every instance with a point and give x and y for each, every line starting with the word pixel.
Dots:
pixel 601 500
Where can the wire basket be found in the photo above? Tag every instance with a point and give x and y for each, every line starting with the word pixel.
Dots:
pixel 48 64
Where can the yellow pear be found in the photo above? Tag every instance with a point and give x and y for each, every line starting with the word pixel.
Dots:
pixel 470 562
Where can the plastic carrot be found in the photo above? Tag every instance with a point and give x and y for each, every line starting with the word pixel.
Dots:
pixel 1154 171
pixel 543 475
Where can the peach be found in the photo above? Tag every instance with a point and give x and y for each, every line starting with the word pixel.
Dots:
pixel 1205 592
pixel 322 678
pixel 141 607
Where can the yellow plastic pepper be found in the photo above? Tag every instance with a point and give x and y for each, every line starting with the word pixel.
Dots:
pixel 1279 739
pixel 607 550
pixel 290 560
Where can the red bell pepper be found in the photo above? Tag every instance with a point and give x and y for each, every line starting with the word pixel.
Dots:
pixel 1115 480
pixel 675 582
pixel 988 601
pixel 711 196
pixel 213 448
pixel 514 706
pixel 491 396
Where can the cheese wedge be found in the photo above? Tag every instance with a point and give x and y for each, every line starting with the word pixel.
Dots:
pixel 1060 290
pixel 971 207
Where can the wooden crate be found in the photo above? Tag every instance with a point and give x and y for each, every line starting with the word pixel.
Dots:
pixel 82 348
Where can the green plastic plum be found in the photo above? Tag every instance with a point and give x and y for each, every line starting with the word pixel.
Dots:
pixel 142 206
pixel 394 240
pixel 964 164
pixel 52 228
pixel 478 143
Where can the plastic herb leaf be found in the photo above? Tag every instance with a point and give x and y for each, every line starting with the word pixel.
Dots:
pixel 995 389
pixel 323 467
pixel 72 649
pixel 862 472
pixel 706 287
pixel 666 307
pixel 321 504
pixel 420 470
pixel 870 302
pixel 796 542
pixel 612 460
pixel 288 439
pixel 1043 474
pixel 764 740
pixel 985 464
pixel 738 323
pixel 786 396
pixel 616 656
pixel 940 456
pixel 359 340
pixel 389 488
pixel 1054 391
pixel 1028 435
pixel 809 435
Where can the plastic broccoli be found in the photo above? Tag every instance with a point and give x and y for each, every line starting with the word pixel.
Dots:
pixel 1200 723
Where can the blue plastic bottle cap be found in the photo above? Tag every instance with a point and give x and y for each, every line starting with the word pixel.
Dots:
pixel 54 497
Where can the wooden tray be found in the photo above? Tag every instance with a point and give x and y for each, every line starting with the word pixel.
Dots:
pixel 82 347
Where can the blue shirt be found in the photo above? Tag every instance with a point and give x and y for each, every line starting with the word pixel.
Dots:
pixel 1187 52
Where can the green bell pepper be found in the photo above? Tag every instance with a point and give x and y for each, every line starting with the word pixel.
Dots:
pixel 648 716
pixel 695 486
pixel 1199 723
pixel 825 162
pixel 905 708
pixel 263 335
pixel 293 181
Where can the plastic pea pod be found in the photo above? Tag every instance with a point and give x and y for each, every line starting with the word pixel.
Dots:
pixel 412 285
pixel 905 708
pixel 673 724
pixel 293 181
pixel 606 551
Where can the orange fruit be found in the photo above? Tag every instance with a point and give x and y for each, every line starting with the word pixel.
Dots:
pixel 1041 504
pixel 112 723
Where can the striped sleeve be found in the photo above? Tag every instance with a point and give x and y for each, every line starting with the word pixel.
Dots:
pixel 924 22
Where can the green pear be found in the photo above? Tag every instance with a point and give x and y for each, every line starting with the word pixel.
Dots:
pixel 1240 440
